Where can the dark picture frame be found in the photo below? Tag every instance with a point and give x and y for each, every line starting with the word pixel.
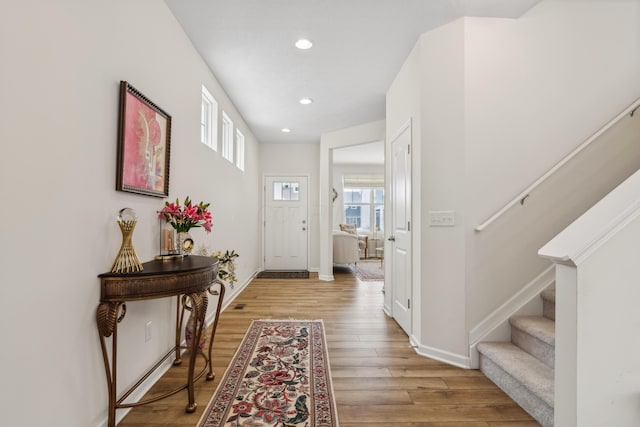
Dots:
pixel 144 145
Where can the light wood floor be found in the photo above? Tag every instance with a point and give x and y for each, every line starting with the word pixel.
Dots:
pixel 378 379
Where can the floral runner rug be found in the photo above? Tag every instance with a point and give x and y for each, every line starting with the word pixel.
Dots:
pixel 279 377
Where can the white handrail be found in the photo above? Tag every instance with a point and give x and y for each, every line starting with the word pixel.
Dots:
pixel 520 198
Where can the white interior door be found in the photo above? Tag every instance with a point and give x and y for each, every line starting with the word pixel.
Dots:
pixel 286 226
pixel 400 239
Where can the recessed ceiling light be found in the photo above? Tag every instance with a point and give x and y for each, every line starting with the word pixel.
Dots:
pixel 286 130
pixel 306 101
pixel 304 44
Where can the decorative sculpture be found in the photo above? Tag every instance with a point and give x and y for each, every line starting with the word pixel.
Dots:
pixel 127 261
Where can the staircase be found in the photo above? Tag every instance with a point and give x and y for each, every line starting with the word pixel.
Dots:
pixel 524 367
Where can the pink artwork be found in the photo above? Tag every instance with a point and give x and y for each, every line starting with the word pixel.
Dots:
pixel 143 151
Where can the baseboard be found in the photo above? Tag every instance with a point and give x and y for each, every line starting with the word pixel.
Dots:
pixel 326 277
pixel 500 316
pixel 387 310
pixel 440 355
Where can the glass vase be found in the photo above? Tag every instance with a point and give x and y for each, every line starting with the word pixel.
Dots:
pixel 185 243
pixel 168 239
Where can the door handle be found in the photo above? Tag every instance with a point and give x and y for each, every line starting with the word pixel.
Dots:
pixel 392 238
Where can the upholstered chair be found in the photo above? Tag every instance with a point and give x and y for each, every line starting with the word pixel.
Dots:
pixel 345 248
pixel 362 240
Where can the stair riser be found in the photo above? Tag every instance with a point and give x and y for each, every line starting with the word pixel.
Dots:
pixel 549 309
pixel 535 347
pixel 524 397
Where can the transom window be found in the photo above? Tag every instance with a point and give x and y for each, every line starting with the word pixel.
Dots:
pixel 239 150
pixel 227 137
pixel 209 120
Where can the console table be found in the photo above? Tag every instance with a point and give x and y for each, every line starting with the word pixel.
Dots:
pixel 189 280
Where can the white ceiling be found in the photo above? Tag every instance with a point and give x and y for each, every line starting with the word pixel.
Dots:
pixel 359 46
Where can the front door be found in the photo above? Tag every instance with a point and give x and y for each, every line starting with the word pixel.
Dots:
pixel 401 219
pixel 286 226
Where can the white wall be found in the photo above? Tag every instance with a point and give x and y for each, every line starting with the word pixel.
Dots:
pixel 443 251
pixel 61 66
pixel 551 79
pixel 500 102
pixel 277 159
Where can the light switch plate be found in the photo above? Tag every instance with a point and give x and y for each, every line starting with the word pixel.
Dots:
pixel 442 218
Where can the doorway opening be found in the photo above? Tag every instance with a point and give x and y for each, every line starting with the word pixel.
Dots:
pixel 358 190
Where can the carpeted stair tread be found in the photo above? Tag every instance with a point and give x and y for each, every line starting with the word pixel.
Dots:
pixel 536 335
pixel 537 326
pixel 524 368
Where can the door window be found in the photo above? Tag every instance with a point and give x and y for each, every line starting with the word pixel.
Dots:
pixel 286 191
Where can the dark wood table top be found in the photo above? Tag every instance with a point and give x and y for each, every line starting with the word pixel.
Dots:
pixel 160 279
pixel 186 264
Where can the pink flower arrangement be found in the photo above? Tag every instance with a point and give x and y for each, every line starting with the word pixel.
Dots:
pixel 184 218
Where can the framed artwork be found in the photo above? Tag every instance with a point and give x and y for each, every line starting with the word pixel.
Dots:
pixel 144 142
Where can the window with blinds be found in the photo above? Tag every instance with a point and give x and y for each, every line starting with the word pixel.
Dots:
pixel 363 198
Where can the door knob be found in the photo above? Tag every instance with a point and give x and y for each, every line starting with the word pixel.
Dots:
pixel 304 228
pixel 392 238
